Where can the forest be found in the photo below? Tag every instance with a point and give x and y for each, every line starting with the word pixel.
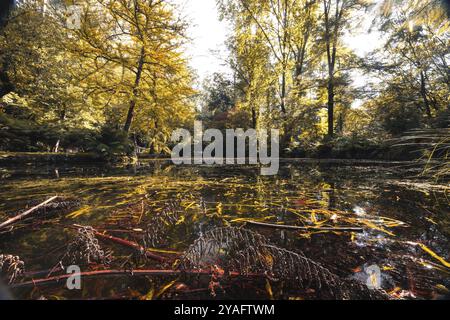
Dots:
pixel 122 80
pixel 92 90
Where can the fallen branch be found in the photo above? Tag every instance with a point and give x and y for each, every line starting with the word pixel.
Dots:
pixel 131 244
pixel 125 243
pixel 290 227
pixel 100 273
pixel 26 213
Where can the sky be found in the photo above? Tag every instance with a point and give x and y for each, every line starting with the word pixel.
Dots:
pixel 207 49
pixel 208 34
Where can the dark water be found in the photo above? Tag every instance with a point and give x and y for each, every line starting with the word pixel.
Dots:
pixel 404 221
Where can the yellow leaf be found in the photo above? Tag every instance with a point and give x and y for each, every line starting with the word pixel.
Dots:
pixel 165 288
pixel 313 217
pixel 219 208
pixel 78 213
pixel 190 205
pixel 150 294
pixel 433 254
pixel 269 289
pixel 181 220
pixel 374 226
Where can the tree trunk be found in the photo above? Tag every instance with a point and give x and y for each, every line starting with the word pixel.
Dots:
pixel 5 84
pixel 330 107
pixel 300 61
pixel 423 93
pixel 283 91
pixel 56 148
pixel 254 120
pixel 135 92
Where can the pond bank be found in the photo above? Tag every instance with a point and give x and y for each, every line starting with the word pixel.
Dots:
pixel 7 158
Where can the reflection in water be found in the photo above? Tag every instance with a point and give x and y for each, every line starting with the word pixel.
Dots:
pixel 390 216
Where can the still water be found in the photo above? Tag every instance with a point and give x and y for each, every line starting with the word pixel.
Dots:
pixel 401 224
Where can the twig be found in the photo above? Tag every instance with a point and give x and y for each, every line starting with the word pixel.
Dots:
pixel 99 273
pixel 127 243
pixel 132 245
pixel 26 213
pixel 290 227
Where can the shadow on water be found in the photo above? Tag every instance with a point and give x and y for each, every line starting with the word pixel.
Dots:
pixel 405 230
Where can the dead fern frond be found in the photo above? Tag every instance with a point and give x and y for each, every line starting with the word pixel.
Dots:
pixel 218 246
pixel 60 205
pixel 248 252
pixel 159 223
pixel 11 267
pixel 85 249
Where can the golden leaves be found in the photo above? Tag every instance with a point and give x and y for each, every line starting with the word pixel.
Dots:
pixel 431 253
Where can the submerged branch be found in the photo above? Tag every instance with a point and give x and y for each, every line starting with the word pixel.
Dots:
pixel 129 244
pixel 290 227
pixel 100 273
pixel 26 213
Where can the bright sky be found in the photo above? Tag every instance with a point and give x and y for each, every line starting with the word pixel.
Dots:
pixel 207 50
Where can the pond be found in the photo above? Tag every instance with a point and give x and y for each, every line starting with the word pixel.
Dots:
pixel 351 219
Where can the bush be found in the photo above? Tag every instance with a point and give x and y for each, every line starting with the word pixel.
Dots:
pixel 25 135
pixel 110 143
pixel 348 147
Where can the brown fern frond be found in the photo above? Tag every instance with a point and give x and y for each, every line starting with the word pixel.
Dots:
pixel 11 267
pixel 248 252
pixel 156 230
pixel 85 249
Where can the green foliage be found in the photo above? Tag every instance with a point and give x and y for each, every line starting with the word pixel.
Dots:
pixel 110 143
pixel 348 147
pixel 219 93
pixel 398 118
pixel 19 134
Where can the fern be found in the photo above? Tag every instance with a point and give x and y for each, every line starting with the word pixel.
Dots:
pixel 248 252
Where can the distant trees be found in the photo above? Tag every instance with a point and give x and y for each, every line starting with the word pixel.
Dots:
pixel 293 68
pixel 414 86
pixel 123 71
pixel 219 94
pixel 336 16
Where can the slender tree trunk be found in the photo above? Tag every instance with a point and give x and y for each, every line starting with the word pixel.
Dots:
pixel 423 93
pixel 62 117
pixel 56 148
pixel 331 44
pixel 135 92
pixel 283 91
pixel 254 119
pixel 284 56
pixel 330 106
pixel 300 61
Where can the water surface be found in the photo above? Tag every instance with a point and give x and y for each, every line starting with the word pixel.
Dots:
pixel 405 222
